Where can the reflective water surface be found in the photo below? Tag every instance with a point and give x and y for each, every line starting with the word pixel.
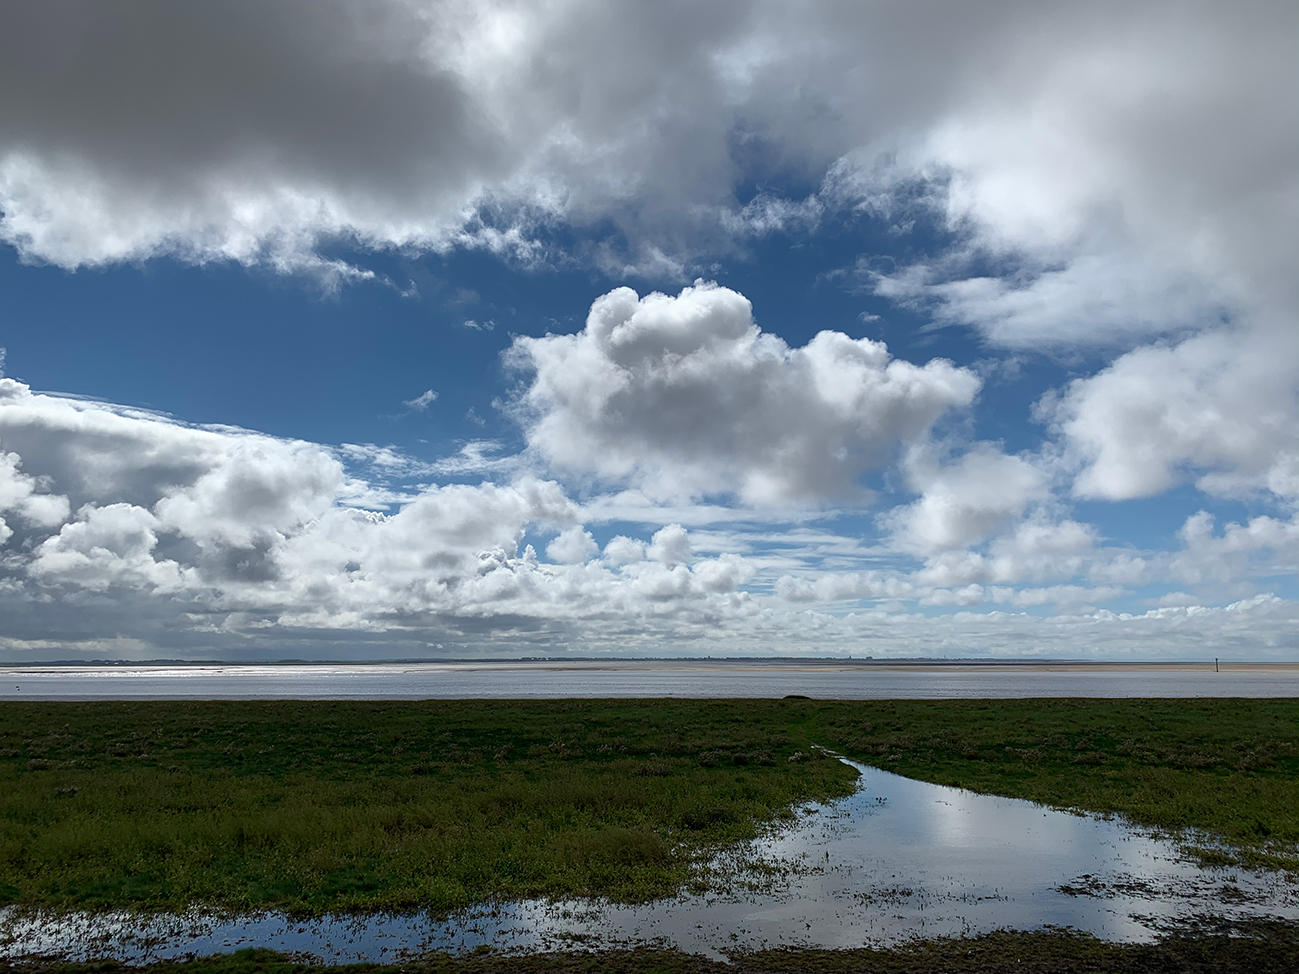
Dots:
pixel 898 859
pixel 834 679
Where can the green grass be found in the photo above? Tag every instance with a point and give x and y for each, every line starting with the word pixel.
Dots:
pixel 394 805
pixel 367 806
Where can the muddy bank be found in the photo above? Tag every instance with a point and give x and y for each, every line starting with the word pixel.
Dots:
pixel 1206 946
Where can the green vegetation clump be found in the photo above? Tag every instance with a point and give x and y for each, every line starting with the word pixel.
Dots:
pixel 362 806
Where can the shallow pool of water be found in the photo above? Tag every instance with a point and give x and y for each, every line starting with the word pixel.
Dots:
pixel 897 859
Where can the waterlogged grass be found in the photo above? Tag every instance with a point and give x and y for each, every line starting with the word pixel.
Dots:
pixel 1229 767
pixel 313 806
pixel 1256 949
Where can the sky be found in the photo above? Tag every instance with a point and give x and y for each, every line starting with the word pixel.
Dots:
pixel 390 329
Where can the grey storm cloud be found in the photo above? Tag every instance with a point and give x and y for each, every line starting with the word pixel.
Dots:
pixel 330 88
pixel 226 130
pixel 256 130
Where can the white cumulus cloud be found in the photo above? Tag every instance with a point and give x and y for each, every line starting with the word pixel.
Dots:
pixel 1220 408
pixel 686 395
pixel 964 502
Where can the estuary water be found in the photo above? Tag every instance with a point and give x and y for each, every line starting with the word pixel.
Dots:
pixel 896 860
pixel 829 679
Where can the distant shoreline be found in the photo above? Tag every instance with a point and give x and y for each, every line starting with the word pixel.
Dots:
pixel 730 663
pixel 714 678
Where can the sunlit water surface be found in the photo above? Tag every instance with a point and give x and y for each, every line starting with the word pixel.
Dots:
pixel 897 859
pixel 839 679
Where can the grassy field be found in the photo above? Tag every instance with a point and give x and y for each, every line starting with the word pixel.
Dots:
pixel 312 806
pixel 365 806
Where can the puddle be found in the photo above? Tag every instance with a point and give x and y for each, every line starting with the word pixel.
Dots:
pixel 896 860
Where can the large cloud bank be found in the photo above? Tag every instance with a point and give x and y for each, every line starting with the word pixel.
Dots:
pixel 123 531
pixel 115 517
pixel 253 130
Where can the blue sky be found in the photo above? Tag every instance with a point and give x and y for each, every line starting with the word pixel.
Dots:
pixel 392 329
